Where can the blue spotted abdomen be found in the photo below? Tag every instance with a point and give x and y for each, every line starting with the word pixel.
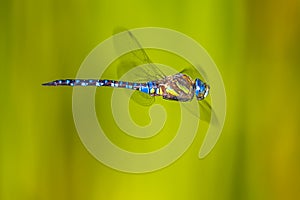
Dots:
pixel 143 87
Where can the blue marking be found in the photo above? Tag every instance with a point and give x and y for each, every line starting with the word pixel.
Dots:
pixel 202 87
pixel 121 82
pixel 145 90
pixel 77 81
pixel 150 84
pixel 105 81
pixel 60 81
pixel 91 81
pixel 67 82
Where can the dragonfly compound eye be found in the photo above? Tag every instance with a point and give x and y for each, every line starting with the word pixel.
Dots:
pixel 201 89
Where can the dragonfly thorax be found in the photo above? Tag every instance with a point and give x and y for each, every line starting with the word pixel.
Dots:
pixel 177 87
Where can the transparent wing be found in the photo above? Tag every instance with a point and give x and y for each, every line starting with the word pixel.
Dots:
pixel 142 98
pixel 138 56
pixel 205 112
pixel 195 73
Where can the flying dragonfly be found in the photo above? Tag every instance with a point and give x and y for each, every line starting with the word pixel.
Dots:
pixel 177 87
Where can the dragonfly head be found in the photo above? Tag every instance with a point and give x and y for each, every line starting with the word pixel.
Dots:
pixel 201 89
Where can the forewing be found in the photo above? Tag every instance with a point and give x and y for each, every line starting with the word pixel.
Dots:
pixel 136 57
pixel 129 62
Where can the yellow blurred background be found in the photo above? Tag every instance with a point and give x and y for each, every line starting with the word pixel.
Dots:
pixel 255 45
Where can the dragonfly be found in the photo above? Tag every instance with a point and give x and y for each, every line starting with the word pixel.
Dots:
pixel 176 87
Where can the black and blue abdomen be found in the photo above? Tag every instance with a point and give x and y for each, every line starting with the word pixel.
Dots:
pixel 148 88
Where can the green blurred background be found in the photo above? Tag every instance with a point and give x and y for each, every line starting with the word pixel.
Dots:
pixel 255 44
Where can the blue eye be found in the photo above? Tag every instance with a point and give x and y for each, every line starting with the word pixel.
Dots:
pixel 201 89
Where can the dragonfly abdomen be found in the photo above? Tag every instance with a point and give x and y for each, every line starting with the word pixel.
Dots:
pixel 148 88
pixel 74 82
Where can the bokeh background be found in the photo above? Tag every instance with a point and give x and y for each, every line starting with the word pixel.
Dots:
pixel 255 45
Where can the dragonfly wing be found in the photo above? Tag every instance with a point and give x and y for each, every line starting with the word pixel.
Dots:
pixel 206 113
pixel 136 57
pixel 142 98
pixel 192 72
pixel 129 62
